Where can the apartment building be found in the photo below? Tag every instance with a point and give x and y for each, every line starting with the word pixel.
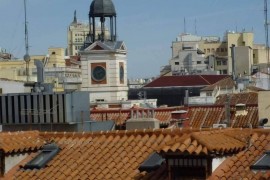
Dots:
pixel 217 54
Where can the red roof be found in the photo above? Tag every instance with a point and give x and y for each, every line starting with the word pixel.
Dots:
pixel 118 154
pixel 20 141
pixel 249 98
pixel 199 116
pixel 238 166
pixel 189 80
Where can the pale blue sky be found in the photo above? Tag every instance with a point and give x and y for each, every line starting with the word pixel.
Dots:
pixel 148 27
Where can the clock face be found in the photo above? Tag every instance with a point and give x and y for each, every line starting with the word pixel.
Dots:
pixel 121 73
pixel 99 73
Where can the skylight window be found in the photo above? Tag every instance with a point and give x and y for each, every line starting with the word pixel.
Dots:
pixel 47 154
pixel 263 163
pixel 153 162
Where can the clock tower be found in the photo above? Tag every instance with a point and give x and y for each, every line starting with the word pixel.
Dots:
pixel 104 58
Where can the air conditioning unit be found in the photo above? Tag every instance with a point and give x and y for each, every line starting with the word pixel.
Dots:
pixel 219 125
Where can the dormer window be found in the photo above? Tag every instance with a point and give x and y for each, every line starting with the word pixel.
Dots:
pixel 189 167
pixel 46 155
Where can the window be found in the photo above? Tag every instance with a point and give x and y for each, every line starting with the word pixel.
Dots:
pixel 263 163
pixel 224 72
pixel 208 50
pixel 218 49
pixel 218 63
pixel 199 62
pixel 100 100
pixel 152 163
pixel 176 63
pixel 46 155
pixel 188 168
pixel 254 56
pixel 224 62
pixel 222 49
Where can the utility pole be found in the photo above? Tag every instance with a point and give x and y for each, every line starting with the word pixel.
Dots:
pixel 266 38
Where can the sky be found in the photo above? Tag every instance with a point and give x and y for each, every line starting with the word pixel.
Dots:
pixel 148 27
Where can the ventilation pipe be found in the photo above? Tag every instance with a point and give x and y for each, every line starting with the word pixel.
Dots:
pixel 233 61
pixel 40 71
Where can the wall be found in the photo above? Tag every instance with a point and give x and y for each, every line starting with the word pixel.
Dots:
pixel 142 123
pixel 261 80
pixel 216 162
pixel 201 100
pixel 243 60
pixel 259 52
pixel 13 160
pixel 111 88
pixel 238 39
pixel 13 87
pixel 77 107
pixel 264 105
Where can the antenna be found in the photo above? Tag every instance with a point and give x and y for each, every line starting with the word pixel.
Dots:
pixel 195 26
pixel 26 57
pixel 266 33
pixel 184 25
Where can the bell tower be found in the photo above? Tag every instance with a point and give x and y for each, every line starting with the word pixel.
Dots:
pixel 102 11
pixel 104 58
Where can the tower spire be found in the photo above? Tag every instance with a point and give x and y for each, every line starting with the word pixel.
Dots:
pixel 75 17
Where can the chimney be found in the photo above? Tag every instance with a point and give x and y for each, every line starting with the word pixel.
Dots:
pixel 178 117
pixel 240 109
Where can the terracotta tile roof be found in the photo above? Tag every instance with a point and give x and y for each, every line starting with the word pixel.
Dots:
pixel 117 155
pixel 218 142
pixel 188 80
pixel 20 141
pixel 238 166
pixel 226 83
pixel 249 98
pixel 199 116
pixel 207 116
pixel 120 116
pixel 104 155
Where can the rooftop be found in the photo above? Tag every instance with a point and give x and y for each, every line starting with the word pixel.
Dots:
pixel 187 80
pixel 118 154
pixel 198 116
pixel 249 98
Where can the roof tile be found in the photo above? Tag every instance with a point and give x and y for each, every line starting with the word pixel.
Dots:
pixel 117 155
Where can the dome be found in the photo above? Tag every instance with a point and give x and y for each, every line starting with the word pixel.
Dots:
pixel 100 8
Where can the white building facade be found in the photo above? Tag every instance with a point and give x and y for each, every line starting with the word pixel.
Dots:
pixel 104 71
